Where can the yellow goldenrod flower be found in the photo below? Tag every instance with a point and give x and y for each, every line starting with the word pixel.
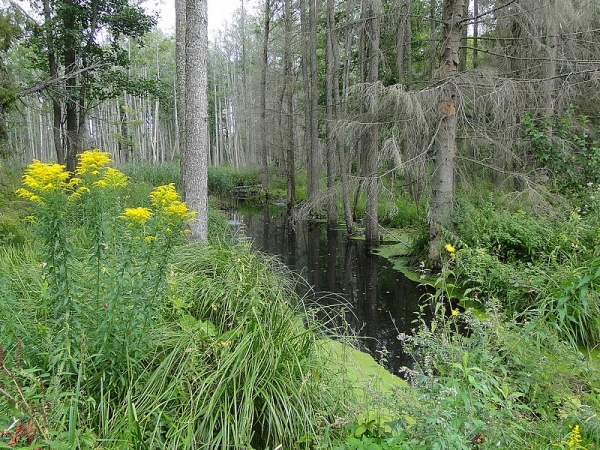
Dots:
pixel 574 439
pixel 136 216
pixel 114 178
pixel 91 161
pixel 73 182
pixel 166 200
pixel 449 248
pixel 28 195
pixel 45 176
pixel 100 183
pixel 164 195
pixel 178 211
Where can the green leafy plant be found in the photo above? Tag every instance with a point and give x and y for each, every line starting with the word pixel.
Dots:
pixel 104 269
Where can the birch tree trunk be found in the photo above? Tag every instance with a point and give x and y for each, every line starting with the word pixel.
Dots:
pixel 443 176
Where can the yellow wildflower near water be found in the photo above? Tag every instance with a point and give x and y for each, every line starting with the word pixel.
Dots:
pixel 449 248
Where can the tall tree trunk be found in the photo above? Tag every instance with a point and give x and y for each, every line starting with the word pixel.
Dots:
pixel 443 177
pixel 194 165
pixel 331 72
pixel 552 31
pixel 72 133
pixel 404 46
pixel 371 141
pixel 432 38
pixel 263 100
pixel 313 95
pixel 53 67
pixel 180 52
pixel 475 34
pixel 289 89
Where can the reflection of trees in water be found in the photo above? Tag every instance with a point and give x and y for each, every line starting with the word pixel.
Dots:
pixel 380 301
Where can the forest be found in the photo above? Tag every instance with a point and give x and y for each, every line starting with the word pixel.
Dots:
pixel 130 317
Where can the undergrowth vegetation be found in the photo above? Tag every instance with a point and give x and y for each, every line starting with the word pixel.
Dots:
pixel 117 333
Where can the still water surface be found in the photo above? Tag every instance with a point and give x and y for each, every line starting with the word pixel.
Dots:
pixel 380 301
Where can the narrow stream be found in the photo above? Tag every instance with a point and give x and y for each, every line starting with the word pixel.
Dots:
pixel 380 301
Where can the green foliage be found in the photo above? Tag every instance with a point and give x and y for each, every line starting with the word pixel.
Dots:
pixel 510 235
pixel 577 312
pixel 220 180
pixel 153 174
pixel 401 212
pixel 103 276
pixel 12 231
pixel 493 383
pixel 237 366
pixel 569 149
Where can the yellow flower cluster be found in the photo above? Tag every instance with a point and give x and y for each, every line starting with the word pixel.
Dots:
pixel 574 439
pixel 40 177
pixel 166 200
pixel 450 249
pixel 136 216
pixel 92 161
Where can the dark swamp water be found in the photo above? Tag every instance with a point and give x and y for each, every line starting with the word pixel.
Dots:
pixel 378 301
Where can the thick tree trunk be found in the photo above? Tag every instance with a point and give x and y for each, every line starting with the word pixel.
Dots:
pixel 443 177
pixel 180 51
pixel 194 165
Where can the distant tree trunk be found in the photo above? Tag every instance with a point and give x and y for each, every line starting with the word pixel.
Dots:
pixel 464 41
pixel 313 146
pixel 404 46
pixel 289 114
pixel 263 100
pixel 124 144
pixel 53 67
pixel 72 122
pixel 331 74
pixel 475 33
pixel 371 141
pixel 194 164
pixel 342 112
pixel 432 35
pixel 552 31
pixel 443 177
